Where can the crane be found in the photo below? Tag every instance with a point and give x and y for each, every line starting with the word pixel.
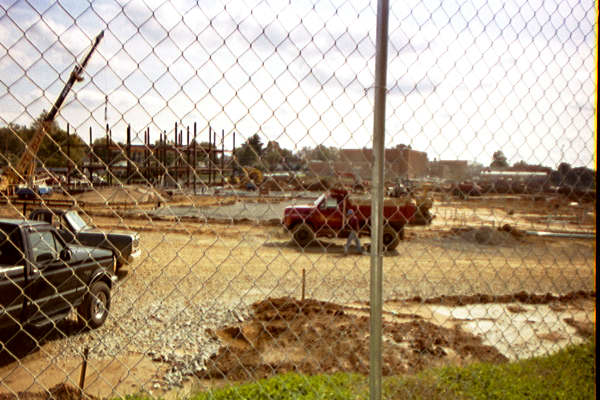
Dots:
pixel 24 168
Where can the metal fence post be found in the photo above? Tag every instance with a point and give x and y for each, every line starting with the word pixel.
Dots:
pixel 376 284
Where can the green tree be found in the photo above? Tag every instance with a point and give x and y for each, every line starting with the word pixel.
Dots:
pixel 293 162
pixel 564 169
pixel 12 143
pixel 55 150
pixel 320 153
pixel 499 160
pixel 274 156
pixel 250 152
pixel 107 151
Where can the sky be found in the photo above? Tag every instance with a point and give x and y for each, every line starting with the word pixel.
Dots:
pixel 465 78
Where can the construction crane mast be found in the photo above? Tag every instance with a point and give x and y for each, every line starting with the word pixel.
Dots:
pixel 24 169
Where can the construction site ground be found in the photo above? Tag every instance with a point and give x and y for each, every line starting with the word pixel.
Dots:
pixel 457 291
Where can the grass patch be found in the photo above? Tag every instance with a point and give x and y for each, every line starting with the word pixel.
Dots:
pixel 339 386
pixel 568 374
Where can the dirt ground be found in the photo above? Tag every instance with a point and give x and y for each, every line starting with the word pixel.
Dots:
pixel 319 337
pixel 311 336
pixel 461 260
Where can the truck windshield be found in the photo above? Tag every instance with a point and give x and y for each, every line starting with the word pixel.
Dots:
pixel 76 222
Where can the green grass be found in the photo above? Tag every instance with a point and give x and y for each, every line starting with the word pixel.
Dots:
pixel 568 374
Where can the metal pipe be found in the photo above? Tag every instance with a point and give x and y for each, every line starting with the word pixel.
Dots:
pixel 570 235
pixel 376 282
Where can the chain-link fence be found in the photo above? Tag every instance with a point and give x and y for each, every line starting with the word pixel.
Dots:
pixel 186 189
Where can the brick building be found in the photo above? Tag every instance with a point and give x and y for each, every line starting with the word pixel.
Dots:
pixel 455 170
pixel 400 162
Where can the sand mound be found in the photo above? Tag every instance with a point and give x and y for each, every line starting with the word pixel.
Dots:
pixel 488 236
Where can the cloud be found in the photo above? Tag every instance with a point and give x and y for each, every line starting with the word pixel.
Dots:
pixel 464 78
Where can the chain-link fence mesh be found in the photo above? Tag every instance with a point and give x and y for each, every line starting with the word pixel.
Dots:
pixel 214 161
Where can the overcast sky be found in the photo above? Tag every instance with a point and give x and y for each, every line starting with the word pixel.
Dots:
pixel 465 78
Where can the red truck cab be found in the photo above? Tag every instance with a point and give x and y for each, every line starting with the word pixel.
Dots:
pixel 326 217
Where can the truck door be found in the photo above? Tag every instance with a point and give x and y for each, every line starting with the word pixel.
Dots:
pixel 53 286
pixel 12 276
pixel 332 214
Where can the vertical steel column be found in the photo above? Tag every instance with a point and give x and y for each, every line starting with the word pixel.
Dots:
pixel 376 284
pixel 128 154
pixel 233 163
pixel 214 157
pixel 222 157
pixel 195 157
pixel 187 157
pixel 233 154
pixel 146 153
pixel 176 157
pixel 69 167
pixel 108 156
pixel 91 159
pixel 164 153
pixel 209 153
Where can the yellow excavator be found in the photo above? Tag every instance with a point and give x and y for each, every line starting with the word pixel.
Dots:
pixel 23 170
pixel 249 176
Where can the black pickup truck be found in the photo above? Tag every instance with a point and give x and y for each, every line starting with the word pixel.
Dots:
pixel 42 278
pixel 125 245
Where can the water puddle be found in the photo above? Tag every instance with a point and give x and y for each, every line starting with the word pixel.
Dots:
pixel 517 330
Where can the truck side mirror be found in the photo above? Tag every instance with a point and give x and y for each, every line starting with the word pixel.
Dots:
pixel 65 254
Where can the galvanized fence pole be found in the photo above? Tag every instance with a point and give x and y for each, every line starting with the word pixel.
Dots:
pixel 376 286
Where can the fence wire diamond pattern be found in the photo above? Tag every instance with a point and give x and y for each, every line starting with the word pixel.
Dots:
pixel 181 183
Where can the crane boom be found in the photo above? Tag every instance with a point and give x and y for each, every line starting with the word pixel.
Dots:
pixel 25 166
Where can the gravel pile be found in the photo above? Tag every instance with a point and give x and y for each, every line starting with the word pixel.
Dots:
pixel 168 332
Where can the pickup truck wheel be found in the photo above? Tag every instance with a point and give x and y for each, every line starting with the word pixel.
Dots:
pixel 391 237
pixel 94 309
pixel 303 235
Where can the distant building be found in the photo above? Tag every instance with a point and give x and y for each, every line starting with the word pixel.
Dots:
pixel 400 162
pixel 455 170
pixel 404 162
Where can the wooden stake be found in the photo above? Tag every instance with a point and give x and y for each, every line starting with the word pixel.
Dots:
pixel 83 369
pixel 303 282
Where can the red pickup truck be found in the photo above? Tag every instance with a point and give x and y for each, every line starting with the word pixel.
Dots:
pixel 326 217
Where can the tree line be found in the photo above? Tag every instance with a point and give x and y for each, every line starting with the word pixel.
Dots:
pixel 563 175
pixel 53 150
pixel 252 153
